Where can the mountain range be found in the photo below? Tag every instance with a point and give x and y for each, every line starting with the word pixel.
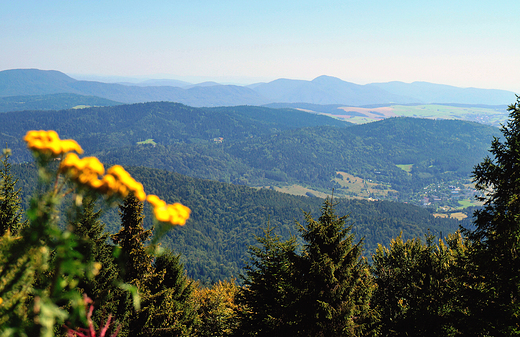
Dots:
pixel 321 90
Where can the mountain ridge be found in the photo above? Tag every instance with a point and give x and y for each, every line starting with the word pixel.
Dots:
pixel 321 90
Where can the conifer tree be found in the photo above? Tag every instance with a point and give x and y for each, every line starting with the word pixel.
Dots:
pixel 268 299
pixel 337 285
pixel 496 236
pixel 171 307
pixel 10 209
pixel 93 245
pixel 417 286
pixel 135 261
pixel 135 265
pixel 322 291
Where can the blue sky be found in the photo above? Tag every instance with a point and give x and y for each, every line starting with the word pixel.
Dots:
pixel 457 42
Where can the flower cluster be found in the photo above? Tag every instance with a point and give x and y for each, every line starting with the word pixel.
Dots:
pixel 86 171
pixel 48 142
pixel 176 214
pixel 90 172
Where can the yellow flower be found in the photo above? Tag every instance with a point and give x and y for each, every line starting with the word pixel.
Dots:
pixel 85 171
pixel 155 201
pixel 90 172
pixel 49 142
pixel 175 214
pixel 125 183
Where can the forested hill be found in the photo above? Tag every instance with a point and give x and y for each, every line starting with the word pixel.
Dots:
pixel 103 128
pixel 435 151
pixel 259 146
pixel 225 218
pixel 51 102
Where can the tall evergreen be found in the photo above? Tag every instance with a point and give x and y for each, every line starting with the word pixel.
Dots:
pixel 135 261
pixel 93 245
pixel 135 265
pixel 322 291
pixel 496 311
pixel 170 306
pixel 337 285
pixel 268 298
pixel 10 209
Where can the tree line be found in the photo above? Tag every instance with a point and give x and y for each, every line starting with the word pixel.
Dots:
pixel 226 218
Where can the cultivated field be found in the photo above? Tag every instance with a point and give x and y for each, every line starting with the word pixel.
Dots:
pixel 486 115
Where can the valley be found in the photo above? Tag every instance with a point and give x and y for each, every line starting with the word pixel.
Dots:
pixel 393 168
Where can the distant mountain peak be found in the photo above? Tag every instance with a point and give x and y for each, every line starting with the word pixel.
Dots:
pixel 327 78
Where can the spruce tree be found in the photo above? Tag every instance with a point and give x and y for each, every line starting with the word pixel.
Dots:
pixel 269 296
pixel 135 261
pixel 10 209
pixel 171 308
pixel 496 309
pixel 336 283
pixel 93 245
pixel 135 265
pixel 322 291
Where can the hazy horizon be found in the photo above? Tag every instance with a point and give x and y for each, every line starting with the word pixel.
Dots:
pixel 462 43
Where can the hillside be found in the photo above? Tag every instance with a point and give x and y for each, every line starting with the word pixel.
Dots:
pixel 51 102
pixel 112 128
pixel 225 218
pixel 321 90
pixel 327 90
pixel 393 159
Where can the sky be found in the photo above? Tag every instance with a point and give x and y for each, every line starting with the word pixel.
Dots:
pixel 457 42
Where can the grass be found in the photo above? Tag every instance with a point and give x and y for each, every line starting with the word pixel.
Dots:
pixel 351 187
pixel 468 203
pixel 361 188
pixel 148 141
pixel 477 114
pixel 299 190
pixel 406 167
pixel 459 215
pixel 483 115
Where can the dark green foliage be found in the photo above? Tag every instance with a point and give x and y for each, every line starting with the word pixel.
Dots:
pixel 51 102
pixel 418 286
pixel 135 264
pixel 10 208
pixel 135 261
pixel 497 233
pixel 263 146
pixel 225 219
pixel 166 308
pixel 171 307
pixel 322 291
pixel 17 272
pixel 93 244
pixel 337 285
pixel 103 129
pixel 269 294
